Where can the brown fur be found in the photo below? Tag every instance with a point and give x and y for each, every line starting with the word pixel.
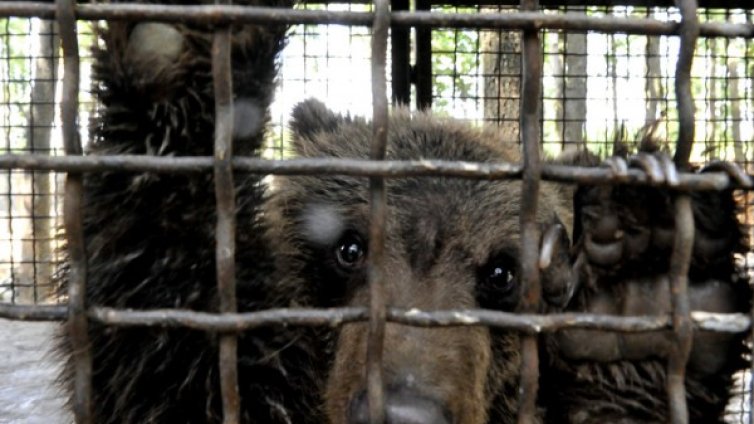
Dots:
pixel 150 237
pixel 150 240
pixel 440 232
pixel 596 376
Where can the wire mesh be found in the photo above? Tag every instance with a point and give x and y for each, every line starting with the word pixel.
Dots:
pixel 31 201
pixel 599 88
pixel 329 62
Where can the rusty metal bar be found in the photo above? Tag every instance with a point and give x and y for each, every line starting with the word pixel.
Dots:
pixel 684 219
pixel 33 312
pixel 365 168
pixel 78 326
pixel 377 215
pixel 721 4
pixel 531 89
pixel 689 33
pixel 225 253
pixel 682 325
pixel 718 4
pixel 750 20
pixel 526 323
pixel 245 14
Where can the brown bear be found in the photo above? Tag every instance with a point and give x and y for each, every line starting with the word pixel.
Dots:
pixel 623 244
pixel 150 237
pixel 451 244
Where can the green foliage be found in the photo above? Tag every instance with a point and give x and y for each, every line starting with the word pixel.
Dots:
pixel 15 70
pixel 455 62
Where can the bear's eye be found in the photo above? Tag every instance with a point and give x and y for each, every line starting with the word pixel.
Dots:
pixel 350 251
pixel 497 283
pixel 498 274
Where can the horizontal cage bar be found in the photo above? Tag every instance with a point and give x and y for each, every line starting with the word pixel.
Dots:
pixel 217 15
pixel 530 323
pixel 366 168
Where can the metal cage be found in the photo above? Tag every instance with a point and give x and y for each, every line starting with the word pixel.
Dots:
pixel 529 20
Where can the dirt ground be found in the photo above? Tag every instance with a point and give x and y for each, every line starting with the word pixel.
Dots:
pixel 28 393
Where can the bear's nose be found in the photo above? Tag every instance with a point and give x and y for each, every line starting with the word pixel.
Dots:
pixel 401 407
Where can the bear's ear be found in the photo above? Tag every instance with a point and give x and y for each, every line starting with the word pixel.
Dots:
pixel 309 118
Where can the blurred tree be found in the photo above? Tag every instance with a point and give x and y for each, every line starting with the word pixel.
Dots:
pixel 574 90
pixel 654 91
pixel 37 241
pixel 501 65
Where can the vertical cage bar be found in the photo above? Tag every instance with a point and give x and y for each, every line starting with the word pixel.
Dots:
pixel 531 89
pixel 226 219
pixel 684 219
pixel 750 161
pixel 751 371
pixel 423 69
pixel 378 213
pixel 72 218
pixel 682 326
pixel 688 34
pixel 400 45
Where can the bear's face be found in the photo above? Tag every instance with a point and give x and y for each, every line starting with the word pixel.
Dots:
pixel 450 244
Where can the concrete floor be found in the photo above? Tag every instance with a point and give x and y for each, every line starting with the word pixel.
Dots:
pixel 28 393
